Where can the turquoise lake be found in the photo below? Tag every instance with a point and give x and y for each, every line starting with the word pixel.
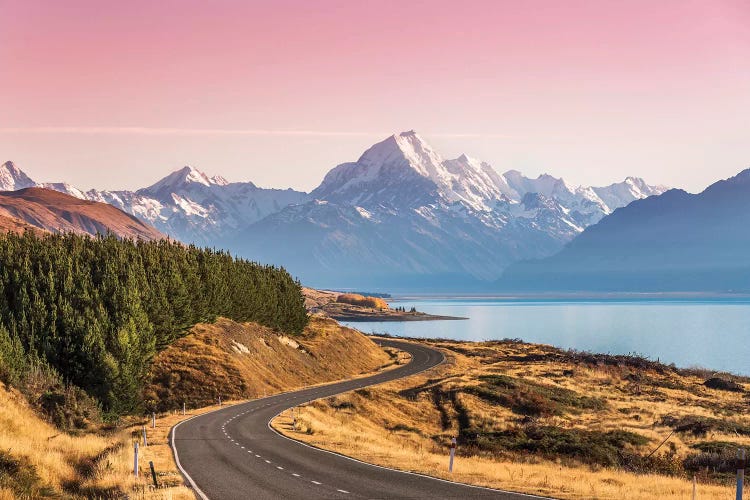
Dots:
pixel 709 333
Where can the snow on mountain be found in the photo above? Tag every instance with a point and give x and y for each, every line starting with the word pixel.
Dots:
pixel 622 193
pixel 12 178
pixel 404 161
pixel 178 180
pixel 191 206
pixel 64 187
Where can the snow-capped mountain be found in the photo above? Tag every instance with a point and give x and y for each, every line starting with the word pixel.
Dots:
pixel 387 169
pixel 191 206
pixel 400 214
pixel 12 178
pixel 404 171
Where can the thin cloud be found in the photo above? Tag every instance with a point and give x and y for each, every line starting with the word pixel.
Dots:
pixel 220 131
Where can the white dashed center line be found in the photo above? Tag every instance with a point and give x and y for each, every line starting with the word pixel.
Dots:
pixel 223 429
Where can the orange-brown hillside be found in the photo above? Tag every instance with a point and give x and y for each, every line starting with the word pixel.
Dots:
pixel 15 225
pixel 58 212
pixel 237 361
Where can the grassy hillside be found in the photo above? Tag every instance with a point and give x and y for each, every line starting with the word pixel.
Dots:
pixel 37 460
pixel 238 361
pixel 540 420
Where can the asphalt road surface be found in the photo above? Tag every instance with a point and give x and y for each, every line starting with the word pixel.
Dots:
pixel 233 454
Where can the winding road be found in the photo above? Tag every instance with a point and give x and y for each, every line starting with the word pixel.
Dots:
pixel 232 453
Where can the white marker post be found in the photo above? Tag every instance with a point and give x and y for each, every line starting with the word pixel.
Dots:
pixel 294 420
pixel 153 419
pixel 145 439
pixel 740 472
pixel 219 400
pixel 135 459
pixel 695 488
pixel 183 407
pixel 453 454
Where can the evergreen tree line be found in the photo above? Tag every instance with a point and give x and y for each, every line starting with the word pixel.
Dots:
pixel 96 310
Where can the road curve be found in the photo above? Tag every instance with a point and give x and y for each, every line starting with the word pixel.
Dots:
pixel 233 453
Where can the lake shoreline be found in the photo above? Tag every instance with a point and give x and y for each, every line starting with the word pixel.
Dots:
pixel 392 317
pixel 689 333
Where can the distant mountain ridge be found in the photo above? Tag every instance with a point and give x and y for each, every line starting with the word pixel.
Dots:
pixel 399 214
pixel 673 242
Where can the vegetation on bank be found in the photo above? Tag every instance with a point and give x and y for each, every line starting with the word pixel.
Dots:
pixel 81 318
pixel 356 299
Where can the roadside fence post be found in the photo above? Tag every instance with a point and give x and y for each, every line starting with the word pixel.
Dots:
pixel 145 439
pixel 153 474
pixel 452 455
pixel 695 487
pixel 153 419
pixel 740 472
pixel 135 459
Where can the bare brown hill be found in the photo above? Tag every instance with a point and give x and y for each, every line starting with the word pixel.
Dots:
pixel 57 212
pixel 237 361
pixel 12 224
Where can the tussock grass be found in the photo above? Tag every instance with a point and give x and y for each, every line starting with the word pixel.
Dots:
pixel 38 460
pixel 541 420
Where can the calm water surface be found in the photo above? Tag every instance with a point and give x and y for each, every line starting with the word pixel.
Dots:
pixel 712 333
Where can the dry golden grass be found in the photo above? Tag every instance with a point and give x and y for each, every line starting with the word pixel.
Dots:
pixel 88 466
pixel 382 426
pixel 240 361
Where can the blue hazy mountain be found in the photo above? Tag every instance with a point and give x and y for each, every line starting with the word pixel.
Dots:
pixel 675 241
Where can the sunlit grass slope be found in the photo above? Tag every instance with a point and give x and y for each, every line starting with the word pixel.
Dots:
pixel 540 420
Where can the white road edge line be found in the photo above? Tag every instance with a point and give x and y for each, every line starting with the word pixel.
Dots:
pixel 197 490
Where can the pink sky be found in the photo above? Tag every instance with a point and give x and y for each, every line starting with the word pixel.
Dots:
pixel 117 94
